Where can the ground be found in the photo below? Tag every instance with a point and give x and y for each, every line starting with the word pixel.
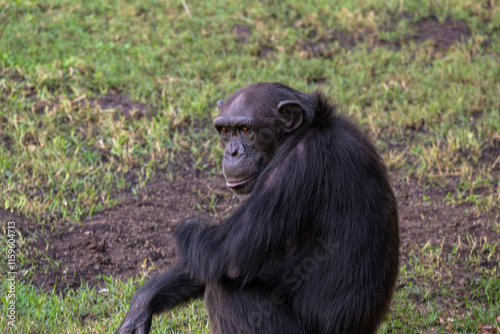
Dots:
pixel 136 235
pixel 128 238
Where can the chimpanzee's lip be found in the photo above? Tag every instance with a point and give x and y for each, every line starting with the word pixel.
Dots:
pixel 240 182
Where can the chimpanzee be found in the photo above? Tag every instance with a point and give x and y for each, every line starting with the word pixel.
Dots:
pixel 314 248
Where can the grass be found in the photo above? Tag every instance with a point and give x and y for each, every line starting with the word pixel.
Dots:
pixel 433 112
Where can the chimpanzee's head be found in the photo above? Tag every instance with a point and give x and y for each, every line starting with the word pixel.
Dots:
pixel 253 123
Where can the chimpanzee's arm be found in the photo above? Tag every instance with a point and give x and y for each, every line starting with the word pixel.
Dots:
pixel 259 230
pixel 162 292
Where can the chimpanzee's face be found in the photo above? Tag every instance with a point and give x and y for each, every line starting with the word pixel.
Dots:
pixel 251 127
pixel 245 151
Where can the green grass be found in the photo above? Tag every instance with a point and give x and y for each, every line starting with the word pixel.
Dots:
pixel 435 115
pixel 88 310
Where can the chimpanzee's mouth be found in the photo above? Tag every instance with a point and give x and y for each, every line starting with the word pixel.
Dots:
pixel 237 183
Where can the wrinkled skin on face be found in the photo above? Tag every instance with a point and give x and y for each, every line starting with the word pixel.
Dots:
pixel 252 125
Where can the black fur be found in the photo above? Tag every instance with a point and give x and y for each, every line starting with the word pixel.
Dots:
pixel 314 248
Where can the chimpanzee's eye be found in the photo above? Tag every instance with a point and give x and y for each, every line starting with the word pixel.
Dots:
pixel 245 129
pixel 223 130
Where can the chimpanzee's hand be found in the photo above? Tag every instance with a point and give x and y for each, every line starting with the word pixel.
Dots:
pixel 139 317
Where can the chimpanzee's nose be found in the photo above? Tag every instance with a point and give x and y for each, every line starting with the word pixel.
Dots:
pixel 233 151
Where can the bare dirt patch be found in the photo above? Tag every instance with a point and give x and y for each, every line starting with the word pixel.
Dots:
pixel 441 34
pixel 136 235
pixel 265 52
pixel 242 32
pixel 328 44
pixel 425 217
pixel 127 238
pixel 114 101
pixel 122 104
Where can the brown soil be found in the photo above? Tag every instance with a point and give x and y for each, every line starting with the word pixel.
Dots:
pixel 114 101
pixel 426 218
pixel 133 236
pixel 122 104
pixel 136 235
pixel 329 43
pixel 441 34
pixel 242 32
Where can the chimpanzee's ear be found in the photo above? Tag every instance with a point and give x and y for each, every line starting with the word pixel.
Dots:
pixel 292 114
pixel 219 104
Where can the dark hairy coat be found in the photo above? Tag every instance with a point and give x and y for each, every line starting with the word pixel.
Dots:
pixel 314 248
